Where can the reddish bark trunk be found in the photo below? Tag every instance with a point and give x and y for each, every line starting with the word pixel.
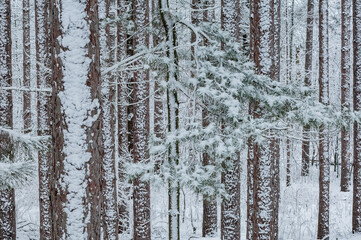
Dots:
pixel 44 114
pixel 346 10
pixel 324 178
pixel 7 196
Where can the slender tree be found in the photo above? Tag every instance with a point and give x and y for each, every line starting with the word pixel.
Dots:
pixel 43 83
pixel 7 196
pixel 323 151
pixel 122 91
pixel 108 13
pixel 308 80
pixel 172 76
pixel 356 210
pixel 26 65
pixel 141 191
pixel 76 125
pixel 346 12
pixel 230 209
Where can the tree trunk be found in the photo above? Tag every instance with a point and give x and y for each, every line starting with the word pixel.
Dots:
pixel 324 178
pixel 77 119
pixel 356 210
pixel 124 155
pixel 107 13
pixel 264 211
pixel 173 119
pixel 7 196
pixel 346 11
pixel 44 111
pixel 141 191
pixel 230 209
pixel 26 66
pixel 308 78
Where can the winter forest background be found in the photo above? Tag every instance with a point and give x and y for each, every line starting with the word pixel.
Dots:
pixel 174 119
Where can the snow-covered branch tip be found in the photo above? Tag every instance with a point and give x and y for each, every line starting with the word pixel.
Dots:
pixel 27 140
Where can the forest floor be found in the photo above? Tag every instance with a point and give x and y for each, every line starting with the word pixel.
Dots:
pixel 297 217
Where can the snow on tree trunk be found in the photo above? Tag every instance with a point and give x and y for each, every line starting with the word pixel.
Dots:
pixel 123 145
pixel 173 120
pixel 141 189
pixel 346 11
pixel 107 14
pixel 76 99
pixel 230 209
pixel 26 65
pixel 44 81
pixel 7 196
pixel 262 167
pixel 356 210
pixel 307 81
pixel 324 178
pixel 275 143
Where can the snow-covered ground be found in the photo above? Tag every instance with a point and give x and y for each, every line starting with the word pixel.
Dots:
pixel 297 217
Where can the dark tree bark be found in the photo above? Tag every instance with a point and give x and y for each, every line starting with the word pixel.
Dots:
pixel 308 79
pixel 141 191
pixel 26 65
pixel 356 210
pixel 324 178
pixel 76 119
pixel 7 196
pixel 44 114
pixel 230 208
pixel 124 154
pixel 262 156
pixel 346 11
pixel 107 13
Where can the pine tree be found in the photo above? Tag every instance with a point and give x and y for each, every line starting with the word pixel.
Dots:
pixel 346 11
pixel 44 128
pixel 26 65
pixel 356 209
pixel 76 101
pixel 230 209
pixel 308 78
pixel 107 14
pixel 261 157
pixel 141 189
pixel 123 142
pixel 7 195
pixel 323 150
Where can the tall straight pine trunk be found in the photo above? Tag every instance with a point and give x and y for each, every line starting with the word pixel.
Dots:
pixel 7 196
pixel 262 162
pixel 323 150
pixel 346 12
pixel 26 65
pixel 308 79
pixel 356 210
pixel 230 208
pixel 141 189
pixel 44 116
pixel 107 13
pixel 76 129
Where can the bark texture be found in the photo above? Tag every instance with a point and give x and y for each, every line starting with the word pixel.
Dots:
pixel 76 119
pixel 324 178
pixel 26 66
pixel 141 189
pixel 7 196
pixel 346 16
pixel 308 80
pixel 107 13
pixel 230 208
pixel 44 115
pixel 356 210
